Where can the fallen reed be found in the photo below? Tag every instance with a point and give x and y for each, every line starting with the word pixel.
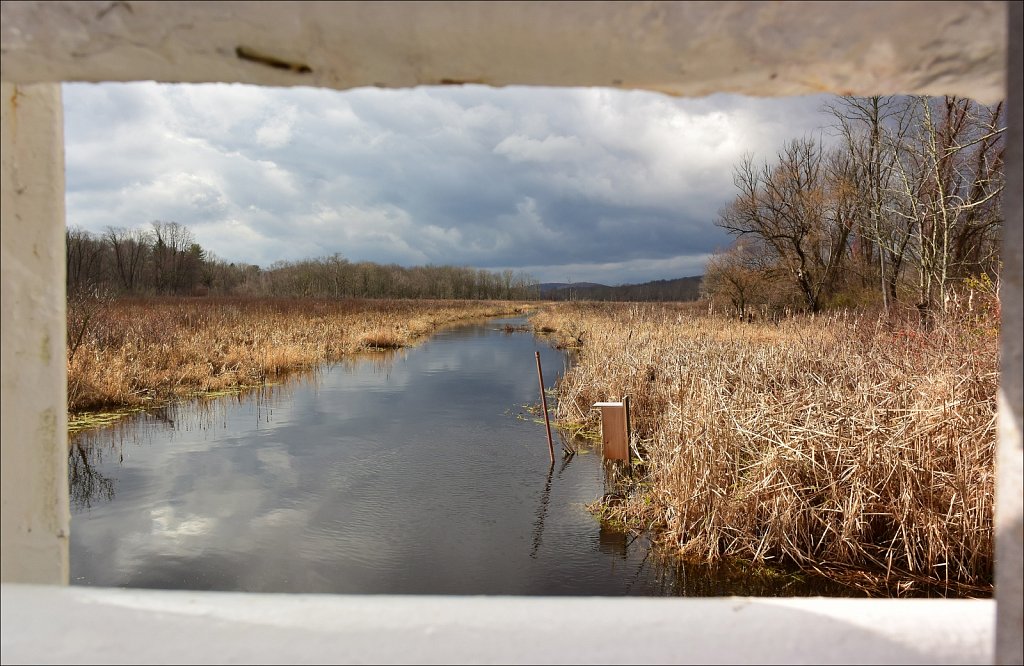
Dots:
pixel 134 352
pixel 855 446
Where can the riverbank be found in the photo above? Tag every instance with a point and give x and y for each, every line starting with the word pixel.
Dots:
pixel 837 444
pixel 139 352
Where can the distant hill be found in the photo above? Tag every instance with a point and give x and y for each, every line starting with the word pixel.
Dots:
pixel 680 289
pixel 547 287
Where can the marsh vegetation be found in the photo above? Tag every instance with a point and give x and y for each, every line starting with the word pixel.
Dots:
pixel 133 352
pixel 847 444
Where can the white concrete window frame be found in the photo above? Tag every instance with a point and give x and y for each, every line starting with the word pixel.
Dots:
pixel 693 48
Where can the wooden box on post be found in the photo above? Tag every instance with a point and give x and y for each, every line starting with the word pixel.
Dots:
pixel 615 429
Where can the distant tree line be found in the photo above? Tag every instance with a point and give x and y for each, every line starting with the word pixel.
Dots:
pixel 681 289
pixel 904 210
pixel 165 259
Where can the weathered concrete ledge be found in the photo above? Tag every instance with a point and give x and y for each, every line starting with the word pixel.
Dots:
pixel 72 625
pixel 681 48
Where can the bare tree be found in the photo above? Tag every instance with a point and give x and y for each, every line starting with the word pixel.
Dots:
pixel 787 206
pixel 873 130
pixel 175 258
pixel 129 248
pixel 738 275
pixel 86 261
pixel 950 184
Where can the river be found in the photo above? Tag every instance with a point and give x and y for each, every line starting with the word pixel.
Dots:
pixel 418 471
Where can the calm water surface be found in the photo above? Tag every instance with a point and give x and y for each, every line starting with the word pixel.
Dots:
pixel 410 472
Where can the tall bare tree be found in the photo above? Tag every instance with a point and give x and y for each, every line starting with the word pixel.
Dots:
pixel 86 261
pixel 787 206
pixel 129 248
pixel 175 258
pixel 950 184
pixel 872 130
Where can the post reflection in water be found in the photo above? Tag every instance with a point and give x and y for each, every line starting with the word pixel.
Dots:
pixel 410 472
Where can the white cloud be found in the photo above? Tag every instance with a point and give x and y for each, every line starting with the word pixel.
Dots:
pixel 276 131
pixel 519 148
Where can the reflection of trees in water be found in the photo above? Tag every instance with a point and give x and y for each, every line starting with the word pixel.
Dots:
pixel 86 484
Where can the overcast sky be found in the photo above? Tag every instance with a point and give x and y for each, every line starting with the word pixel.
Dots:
pixel 581 185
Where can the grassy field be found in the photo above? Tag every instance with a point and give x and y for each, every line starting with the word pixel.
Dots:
pixel 137 352
pixel 849 445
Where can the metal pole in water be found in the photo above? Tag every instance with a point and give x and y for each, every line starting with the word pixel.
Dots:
pixel 544 404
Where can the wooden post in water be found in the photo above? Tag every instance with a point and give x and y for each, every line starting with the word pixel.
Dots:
pixel 629 433
pixel 615 430
pixel 544 404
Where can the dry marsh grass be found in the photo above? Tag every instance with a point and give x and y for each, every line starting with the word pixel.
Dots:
pixel 143 351
pixel 841 444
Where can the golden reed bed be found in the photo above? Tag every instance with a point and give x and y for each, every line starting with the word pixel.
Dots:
pixel 135 352
pixel 842 444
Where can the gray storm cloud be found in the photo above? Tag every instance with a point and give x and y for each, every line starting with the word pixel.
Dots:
pixel 595 185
